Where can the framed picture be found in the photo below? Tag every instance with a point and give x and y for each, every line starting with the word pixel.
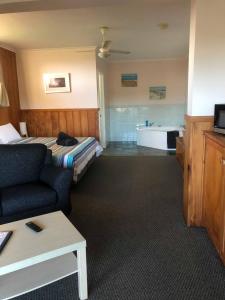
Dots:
pixel 57 83
pixel 129 80
pixel 157 92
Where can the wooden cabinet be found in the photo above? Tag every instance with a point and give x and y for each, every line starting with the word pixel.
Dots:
pixel 194 146
pixel 214 190
pixel 204 180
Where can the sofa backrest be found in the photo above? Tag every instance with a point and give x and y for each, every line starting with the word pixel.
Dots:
pixel 21 163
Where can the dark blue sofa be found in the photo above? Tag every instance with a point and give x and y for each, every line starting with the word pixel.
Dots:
pixel 29 184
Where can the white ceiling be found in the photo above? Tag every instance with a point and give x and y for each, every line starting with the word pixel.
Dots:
pixel 133 25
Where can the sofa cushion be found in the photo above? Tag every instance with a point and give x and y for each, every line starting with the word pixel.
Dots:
pixel 26 197
pixel 21 163
pixel 48 157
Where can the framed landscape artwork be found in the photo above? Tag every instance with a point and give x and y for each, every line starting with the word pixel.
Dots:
pixel 57 83
pixel 157 92
pixel 129 80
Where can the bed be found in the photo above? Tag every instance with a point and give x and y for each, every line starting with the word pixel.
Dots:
pixel 77 157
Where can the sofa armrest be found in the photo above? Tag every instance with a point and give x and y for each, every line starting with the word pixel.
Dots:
pixel 59 179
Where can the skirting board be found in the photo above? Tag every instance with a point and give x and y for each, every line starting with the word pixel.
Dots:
pixel 28 279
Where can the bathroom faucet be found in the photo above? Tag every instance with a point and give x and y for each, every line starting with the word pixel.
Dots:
pixel 150 124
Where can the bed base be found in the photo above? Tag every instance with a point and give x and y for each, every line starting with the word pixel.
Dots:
pixel 85 169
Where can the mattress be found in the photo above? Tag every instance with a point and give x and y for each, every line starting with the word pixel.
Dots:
pixel 74 157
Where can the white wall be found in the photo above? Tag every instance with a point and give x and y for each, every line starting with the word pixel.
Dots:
pixel 131 106
pixel 207 57
pixel 32 64
pixel 171 73
pixel 102 67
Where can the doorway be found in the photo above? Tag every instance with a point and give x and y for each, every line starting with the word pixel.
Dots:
pixel 102 113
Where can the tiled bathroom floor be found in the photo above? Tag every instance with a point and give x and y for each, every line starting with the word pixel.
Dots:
pixel 131 149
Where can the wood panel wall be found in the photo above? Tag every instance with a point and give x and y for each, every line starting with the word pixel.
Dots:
pixel 49 122
pixel 9 72
pixel 194 167
pixel 4 115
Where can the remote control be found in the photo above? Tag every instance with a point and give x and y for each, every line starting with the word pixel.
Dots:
pixel 34 226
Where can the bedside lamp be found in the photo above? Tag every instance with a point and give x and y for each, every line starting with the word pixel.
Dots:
pixel 23 129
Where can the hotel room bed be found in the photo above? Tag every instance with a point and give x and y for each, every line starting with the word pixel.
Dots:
pixel 77 157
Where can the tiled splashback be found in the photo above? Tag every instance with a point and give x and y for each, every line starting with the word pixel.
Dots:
pixel 123 119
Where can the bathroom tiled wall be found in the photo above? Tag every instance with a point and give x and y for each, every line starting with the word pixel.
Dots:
pixel 123 119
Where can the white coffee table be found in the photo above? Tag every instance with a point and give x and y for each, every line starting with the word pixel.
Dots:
pixel 32 260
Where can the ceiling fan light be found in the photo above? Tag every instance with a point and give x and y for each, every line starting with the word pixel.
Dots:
pixel 101 55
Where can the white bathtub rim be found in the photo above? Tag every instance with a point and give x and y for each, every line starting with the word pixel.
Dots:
pixel 156 137
pixel 160 128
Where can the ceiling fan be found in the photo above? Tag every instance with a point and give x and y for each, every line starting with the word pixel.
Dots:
pixel 105 50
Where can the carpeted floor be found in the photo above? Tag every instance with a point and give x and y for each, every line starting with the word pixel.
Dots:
pixel 129 209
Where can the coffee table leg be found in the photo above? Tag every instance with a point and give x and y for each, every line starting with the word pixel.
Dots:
pixel 82 273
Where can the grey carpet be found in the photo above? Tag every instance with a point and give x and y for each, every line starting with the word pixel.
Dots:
pixel 130 211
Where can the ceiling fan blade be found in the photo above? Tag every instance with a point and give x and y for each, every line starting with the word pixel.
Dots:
pixel 86 49
pixel 106 44
pixel 83 51
pixel 119 51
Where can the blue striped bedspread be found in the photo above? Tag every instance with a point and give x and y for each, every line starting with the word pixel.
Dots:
pixel 75 157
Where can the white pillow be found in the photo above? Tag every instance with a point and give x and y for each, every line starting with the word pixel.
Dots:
pixel 8 134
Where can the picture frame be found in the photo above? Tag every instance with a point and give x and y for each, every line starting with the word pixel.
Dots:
pixel 129 80
pixel 57 83
pixel 157 92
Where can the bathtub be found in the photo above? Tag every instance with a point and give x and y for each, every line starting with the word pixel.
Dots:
pixel 155 137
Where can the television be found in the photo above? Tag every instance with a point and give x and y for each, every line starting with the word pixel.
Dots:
pixel 219 118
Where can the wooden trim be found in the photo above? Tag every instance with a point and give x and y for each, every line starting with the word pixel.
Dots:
pixel 196 119
pixel 217 138
pixel 49 122
pixel 58 109
pixel 194 167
